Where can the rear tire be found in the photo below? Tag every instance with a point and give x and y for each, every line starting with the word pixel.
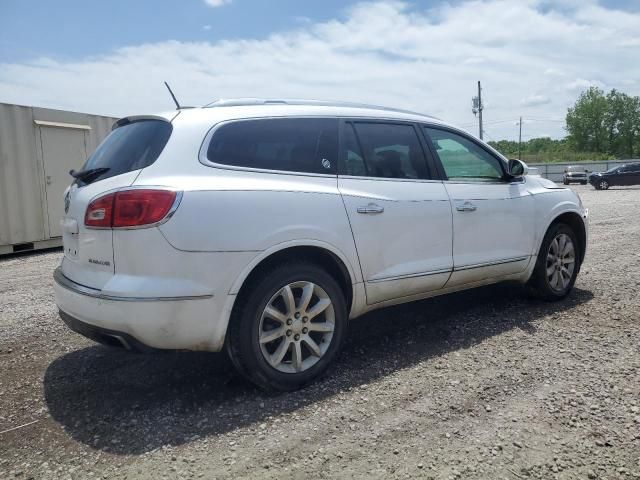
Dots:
pixel 557 265
pixel 583 183
pixel 288 327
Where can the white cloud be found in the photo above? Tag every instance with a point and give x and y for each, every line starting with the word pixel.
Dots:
pixel 217 3
pixel 580 84
pixel 381 52
pixel 206 27
pixel 535 100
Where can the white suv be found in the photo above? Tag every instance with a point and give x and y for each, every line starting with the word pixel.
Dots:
pixel 262 227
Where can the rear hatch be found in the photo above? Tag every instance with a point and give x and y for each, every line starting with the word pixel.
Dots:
pixel 132 145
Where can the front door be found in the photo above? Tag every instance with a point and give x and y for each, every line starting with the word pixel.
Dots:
pixel 493 218
pixel 400 217
pixel 63 149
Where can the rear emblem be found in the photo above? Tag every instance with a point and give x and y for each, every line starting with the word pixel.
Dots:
pixel 326 163
pixel 67 201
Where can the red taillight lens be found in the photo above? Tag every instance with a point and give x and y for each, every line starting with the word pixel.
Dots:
pixel 100 212
pixel 141 207
pixel 129 208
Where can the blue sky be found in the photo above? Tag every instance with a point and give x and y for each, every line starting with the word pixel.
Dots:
pixel 80 27
pixel 533 56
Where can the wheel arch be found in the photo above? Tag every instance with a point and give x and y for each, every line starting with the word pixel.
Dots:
pixel 324 255
pixel 576 222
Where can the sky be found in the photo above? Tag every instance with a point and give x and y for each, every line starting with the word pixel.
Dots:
pixel 533 57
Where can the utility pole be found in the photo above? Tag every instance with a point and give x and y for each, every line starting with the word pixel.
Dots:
pixel 477 107
pixel 520 140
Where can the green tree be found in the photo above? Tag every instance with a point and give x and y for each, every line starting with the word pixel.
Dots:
pixel 623 123
pixel 587 122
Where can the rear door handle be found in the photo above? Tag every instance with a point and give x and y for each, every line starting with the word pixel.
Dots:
pixel 466 207
pixel 371 208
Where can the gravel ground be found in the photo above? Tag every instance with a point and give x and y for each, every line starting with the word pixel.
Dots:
pixel 480 384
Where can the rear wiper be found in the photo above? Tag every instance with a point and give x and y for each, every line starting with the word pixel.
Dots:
pixel 87 175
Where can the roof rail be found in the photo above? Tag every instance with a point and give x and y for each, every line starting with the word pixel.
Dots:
pixel 240 102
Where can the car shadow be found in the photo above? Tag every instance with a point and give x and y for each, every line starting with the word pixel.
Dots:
pixel 127 403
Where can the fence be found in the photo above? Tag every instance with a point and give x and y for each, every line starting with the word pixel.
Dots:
pixel 554 171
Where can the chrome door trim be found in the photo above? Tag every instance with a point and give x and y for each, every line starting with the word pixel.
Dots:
pixel 410 275
pixel 490 264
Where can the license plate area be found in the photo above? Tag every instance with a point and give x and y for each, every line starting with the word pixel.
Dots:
pixel 70 241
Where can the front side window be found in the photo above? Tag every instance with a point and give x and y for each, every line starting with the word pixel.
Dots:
pixel 383 150
pixel 463 159
pixel 305 145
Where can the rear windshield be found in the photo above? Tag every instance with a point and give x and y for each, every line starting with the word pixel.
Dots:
pixel 129 147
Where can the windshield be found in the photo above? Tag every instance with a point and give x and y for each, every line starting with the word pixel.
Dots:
pixel 129 147
pixel 612 169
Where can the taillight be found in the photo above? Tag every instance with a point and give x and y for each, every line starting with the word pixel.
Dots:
pixel 100 212
pixel 129 208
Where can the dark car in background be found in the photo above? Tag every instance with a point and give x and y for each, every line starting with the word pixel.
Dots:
pixel 628 174
pixel 573 174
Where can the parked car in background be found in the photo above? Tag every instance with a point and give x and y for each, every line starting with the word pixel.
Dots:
pixel 628 174
pixel 262 227
pixel 575 174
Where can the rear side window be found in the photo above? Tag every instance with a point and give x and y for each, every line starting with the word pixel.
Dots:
pixel 383 150
pixel 129 147
pixel 305 145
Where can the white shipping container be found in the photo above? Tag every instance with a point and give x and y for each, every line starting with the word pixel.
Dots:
pixel 38 147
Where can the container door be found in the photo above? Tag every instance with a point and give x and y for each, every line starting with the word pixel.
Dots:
pixel 63 149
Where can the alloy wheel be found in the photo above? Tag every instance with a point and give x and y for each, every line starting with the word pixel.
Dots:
pixel 561 262
pixel 296 327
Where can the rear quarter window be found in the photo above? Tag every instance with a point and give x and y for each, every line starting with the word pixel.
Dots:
pixel 129 147
pixel 304 145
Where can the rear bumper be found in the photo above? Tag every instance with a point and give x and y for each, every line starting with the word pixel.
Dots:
pixel 174 323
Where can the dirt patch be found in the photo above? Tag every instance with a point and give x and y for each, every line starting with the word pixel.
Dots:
pixel 480 384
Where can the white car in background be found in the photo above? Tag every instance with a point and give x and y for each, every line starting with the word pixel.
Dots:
pixel 262 227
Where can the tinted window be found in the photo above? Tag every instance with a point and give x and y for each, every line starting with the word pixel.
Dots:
pixel 307 145
pixel 352 158
pixel 129 147
pixel 463 159
pixel 634 167
pixel 383 150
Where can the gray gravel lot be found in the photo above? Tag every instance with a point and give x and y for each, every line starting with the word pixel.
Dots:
pixel 481 384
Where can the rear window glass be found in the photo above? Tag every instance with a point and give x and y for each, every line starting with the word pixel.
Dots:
pixel 130 147
pixel 306 145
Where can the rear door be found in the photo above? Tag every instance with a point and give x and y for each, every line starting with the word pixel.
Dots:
pixel 400 216
pixel 493 218
pixel 88 252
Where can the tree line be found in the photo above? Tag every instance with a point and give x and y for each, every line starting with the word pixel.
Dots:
pixel 599 127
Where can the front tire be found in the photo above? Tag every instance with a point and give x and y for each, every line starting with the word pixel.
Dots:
pixel 557 265
pixel 603 185
pixel 289 327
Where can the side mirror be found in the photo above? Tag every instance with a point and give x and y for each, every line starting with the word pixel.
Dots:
pixel 517 168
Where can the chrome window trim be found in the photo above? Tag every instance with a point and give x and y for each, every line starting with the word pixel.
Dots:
pixel 204 160
pixel 74 287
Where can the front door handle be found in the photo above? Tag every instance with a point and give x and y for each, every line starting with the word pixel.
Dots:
pixel 371 208
pixel 466 207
